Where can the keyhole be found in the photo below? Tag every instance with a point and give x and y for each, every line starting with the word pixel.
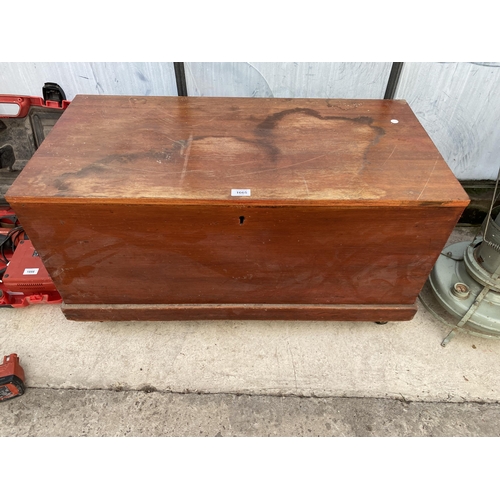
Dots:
pixel 242 219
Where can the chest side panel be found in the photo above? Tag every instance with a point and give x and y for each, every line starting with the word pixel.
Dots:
pixel 140 254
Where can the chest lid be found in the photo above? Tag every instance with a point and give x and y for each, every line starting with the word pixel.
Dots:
pixel 190 150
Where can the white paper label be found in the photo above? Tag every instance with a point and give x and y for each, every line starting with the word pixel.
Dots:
pixel 31 270
pixel 240 192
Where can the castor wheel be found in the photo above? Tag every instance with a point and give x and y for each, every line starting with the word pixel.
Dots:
pixel 381 322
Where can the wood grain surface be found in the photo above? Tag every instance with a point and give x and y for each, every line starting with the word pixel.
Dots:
pixel 176 312
pixel 191 254
pixel 128 201
pixel 195 149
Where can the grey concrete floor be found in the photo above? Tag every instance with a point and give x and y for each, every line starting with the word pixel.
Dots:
pixel 67 412
pixel 291 373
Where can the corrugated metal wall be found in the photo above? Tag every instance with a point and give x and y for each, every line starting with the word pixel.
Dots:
pixel 326 80
pixel 455 102
pixel 89 78
pixel 459 106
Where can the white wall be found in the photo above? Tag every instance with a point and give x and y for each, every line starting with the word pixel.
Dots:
pixel 459 106
pixel 89 78
pixel 291 79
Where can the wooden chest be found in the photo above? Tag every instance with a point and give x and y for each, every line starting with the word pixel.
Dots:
pixel 163 208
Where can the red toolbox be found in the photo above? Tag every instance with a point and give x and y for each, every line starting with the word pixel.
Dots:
pixel 23 277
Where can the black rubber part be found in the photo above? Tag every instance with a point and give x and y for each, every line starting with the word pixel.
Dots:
pixel 53 92
pixel 5 394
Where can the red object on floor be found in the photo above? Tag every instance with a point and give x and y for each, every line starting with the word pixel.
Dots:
pixel 26 273
pixel 23 278
pixel 25 281
pixel 11 378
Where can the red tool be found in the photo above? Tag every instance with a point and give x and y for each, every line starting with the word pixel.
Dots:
pixel 23 277
pixel 11 378
pixel 24 102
